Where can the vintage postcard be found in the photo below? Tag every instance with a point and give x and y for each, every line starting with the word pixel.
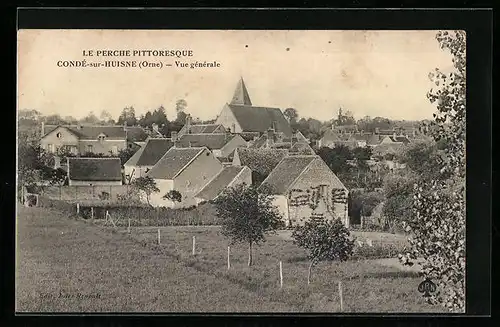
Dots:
pixel 185 171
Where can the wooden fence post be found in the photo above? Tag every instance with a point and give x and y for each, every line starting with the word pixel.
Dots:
pixel 92 212
pixel 281 275
pixel 60 192
pixel 128 229
pixel 106 221
pixel 340 296
pixel 228 261
pixel 159 242
pixel 194 245
pixel 78 208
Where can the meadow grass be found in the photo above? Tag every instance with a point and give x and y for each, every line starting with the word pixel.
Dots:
pixel 131 272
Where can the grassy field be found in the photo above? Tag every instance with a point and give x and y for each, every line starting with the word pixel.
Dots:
pixel 68 265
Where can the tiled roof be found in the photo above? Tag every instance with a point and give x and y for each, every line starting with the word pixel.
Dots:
pixel 219 183
pixel 260 119
pixel 95 169
pixel 173 162
pixel 330 136
pixel 301 148
pixel 211 141
pixel 261 161
pixel 286 172
pixel 87 132
pixel 151 152
pixel 202 129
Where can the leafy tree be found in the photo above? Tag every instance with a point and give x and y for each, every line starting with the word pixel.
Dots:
pixel 173 195
pixel 336 158
pixel 291 114
pixel 91 118
pixel 54 120
pixel 438 227
pixel 247 215
pixel 180 105
pixel 125 155
pixel 344 119
pixel 106 117
pixel 127 116
pixel 147 185
pixel 324 240
pixel 159 117
pixel 57 176
pixel 398 191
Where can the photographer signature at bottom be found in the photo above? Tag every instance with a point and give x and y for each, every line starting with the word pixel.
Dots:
pixel 77 295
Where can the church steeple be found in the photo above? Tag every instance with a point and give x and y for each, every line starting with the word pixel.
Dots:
pixel 241 96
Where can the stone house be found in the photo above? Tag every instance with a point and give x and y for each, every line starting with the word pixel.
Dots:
pixel 96 139
pixel 260 161
pixel 221 144
pixel 146 157
pixel 186 170
pixel 228 177
pixel 304 186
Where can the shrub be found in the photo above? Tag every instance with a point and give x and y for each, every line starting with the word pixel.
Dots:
pixel 324 240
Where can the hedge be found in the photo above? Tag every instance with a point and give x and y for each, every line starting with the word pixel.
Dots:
pixel 203 214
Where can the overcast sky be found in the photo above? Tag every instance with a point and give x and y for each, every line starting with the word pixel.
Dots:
pixel 375 73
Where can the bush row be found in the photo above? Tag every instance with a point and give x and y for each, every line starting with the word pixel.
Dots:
pixel 204 214
pixel 377 251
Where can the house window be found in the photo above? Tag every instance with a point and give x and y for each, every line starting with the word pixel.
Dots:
pixel 59 135
pixel 101 137
pixel 90 148
pixel 51 148
pixel 114 149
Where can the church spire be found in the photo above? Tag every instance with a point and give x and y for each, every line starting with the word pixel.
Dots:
pixel 241 96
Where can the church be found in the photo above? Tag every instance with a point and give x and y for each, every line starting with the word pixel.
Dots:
pixel 240 116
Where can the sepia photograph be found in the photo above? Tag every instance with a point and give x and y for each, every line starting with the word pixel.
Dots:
pixel 241 171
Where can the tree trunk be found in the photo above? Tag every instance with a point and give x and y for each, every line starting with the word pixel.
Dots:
pixel 250 259
pixel 309 273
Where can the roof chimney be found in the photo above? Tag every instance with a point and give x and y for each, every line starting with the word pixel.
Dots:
pixel 377 130
pixel 394 135
pixel 125 125
pixel 42 129
pixel 155 127
pixel 173 136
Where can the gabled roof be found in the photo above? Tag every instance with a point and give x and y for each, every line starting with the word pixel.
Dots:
pixel 95 169
pixel 301 148
pixel 211 141
pixel 91 132
pixel 202 129
pixel 261 161
pixel 330 136
pixel 260 119
pixel 174 162
pixel 286 172
pixel 151 152
pixel 220 182
pixel 240 95
pixel 289 170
